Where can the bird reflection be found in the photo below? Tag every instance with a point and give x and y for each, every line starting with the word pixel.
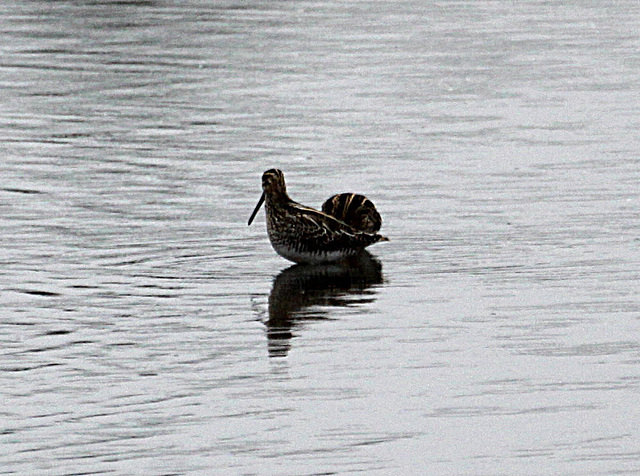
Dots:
pixel 299 289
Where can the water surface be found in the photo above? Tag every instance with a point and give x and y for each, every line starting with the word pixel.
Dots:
pixel 147 330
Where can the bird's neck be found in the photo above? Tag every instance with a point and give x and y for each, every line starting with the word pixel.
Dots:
pixel 277 198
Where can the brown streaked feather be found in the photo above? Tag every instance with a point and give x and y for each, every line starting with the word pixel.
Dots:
pixel 320 230
pixel 356 210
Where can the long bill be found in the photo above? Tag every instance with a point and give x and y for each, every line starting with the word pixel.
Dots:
pixel 253 215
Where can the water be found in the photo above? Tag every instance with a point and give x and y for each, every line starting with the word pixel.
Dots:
pixel 147 330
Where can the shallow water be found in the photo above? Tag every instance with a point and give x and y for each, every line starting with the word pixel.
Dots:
pixel 147 330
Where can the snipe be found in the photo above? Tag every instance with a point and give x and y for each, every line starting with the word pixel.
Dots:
pixel 305 235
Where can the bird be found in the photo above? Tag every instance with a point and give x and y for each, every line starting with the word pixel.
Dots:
pixel 304 235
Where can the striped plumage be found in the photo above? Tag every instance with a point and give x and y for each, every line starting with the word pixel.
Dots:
pixel 355 210
pixel 302 234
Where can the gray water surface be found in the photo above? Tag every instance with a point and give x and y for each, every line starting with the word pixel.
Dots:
pixel 145 329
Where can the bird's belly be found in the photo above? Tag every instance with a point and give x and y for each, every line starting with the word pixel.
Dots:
pixel 310 257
